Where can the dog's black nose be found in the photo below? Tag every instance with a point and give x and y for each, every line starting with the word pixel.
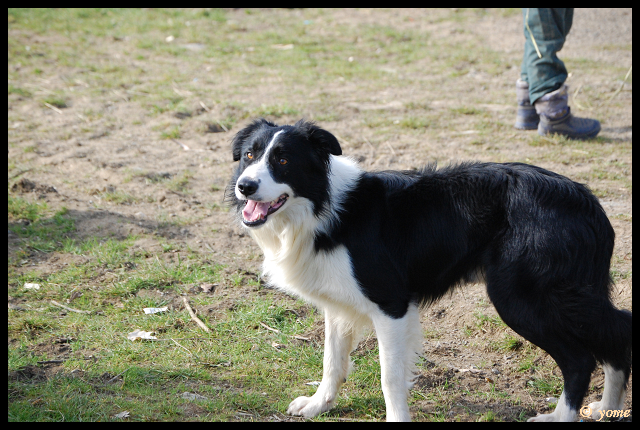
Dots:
pixel 247 186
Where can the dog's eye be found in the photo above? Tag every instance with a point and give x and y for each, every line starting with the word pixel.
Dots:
pixel 249 155
pixel 283 161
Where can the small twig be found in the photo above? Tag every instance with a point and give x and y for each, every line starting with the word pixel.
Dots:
pixel 269 328
pixel 208 246
pixel 391 148
pixel 575 99
pixel 209 110
pixel 193 355
pixel 91 357
pixel 177 193
pixel 181 93
pixel 162 265
pixel 123 97
pixel 190 353
pixel 53 108
pixel 621 85
pixel 51 361
pixel 221 125
pixel 194 317
pixel 116 377
pixel 69 309
pixel 278 331
pixel 293 311
pixel 185 147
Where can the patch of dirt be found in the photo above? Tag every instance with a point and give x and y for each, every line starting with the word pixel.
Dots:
pixel 53 349
pixel 26 186
pixel 28 374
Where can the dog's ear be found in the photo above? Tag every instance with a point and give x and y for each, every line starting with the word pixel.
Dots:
pixel 320 137
pixel 242 135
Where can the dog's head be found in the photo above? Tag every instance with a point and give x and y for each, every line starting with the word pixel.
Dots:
pixel 279 165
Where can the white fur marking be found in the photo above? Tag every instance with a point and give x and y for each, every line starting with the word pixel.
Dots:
pixel 400 343
pixel 344 172
pixel 562 413
pixel 268 189
pixel 338 343
pixel 614 393
pixel 270 145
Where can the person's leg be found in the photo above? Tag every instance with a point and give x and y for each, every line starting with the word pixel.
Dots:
pixel 545 33
pixel 544 73
pixel 526 116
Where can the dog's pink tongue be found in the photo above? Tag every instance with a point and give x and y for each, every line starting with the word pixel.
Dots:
pixel 253 210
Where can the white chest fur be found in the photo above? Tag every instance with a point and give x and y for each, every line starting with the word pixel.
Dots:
pixel 324 278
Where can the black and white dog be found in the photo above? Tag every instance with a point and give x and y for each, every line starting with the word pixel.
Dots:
pixel 372 248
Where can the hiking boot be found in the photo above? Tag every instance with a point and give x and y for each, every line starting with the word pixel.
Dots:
pixel 526 117
pixel 556 118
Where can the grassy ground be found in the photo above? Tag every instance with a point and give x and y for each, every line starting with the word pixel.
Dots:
pixel 108 213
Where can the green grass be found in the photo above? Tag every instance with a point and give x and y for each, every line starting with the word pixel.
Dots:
pixel 483 320
pixel 19 91
pixel 203 366
pixel 221 366
pixel 173 133
pixel 29 221
pixel 180 183
pixel 275 111
pixel 413 122
pixel 56 101
pixel 18 208
pixel 119 197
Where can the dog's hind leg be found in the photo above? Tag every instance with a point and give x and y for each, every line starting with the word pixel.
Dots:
pixel 338 343
pixel 540 322
pixel 400 342
pixel 576 365
pixel 615 354
pixel 614 392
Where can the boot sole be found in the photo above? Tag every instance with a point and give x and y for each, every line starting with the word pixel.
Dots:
pixel 529 126
pixel 569 136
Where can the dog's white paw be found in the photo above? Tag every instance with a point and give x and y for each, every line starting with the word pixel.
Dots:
pixel 561 414
pixel 596 407
pixel 542 418
pixel 309 406
pixel 599 410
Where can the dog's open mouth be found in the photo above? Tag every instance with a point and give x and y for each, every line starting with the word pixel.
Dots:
pixel 255 213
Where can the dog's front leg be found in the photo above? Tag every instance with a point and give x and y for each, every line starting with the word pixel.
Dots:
pixel 337 346
pixel 400 342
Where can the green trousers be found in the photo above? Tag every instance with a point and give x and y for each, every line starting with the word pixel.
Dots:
pixel 541 67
